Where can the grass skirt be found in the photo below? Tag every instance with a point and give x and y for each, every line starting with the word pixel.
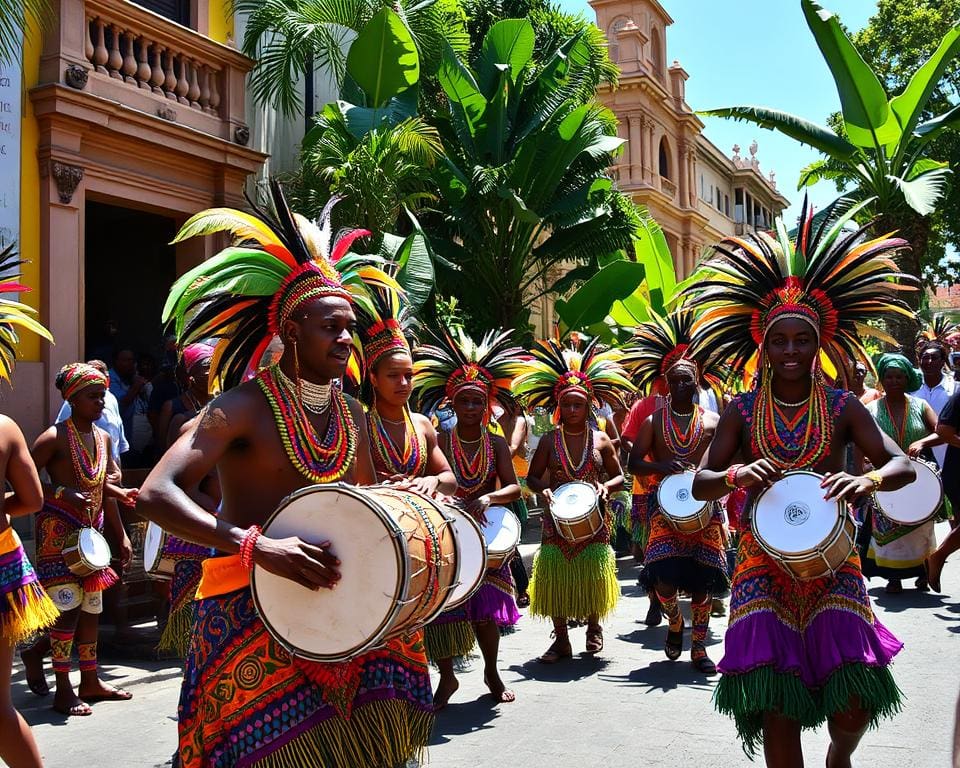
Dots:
pixel 450 635
pixel 583 586
pixel 801 648
pixel 25 607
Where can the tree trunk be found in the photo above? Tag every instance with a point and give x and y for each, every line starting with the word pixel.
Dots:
pixel 915 229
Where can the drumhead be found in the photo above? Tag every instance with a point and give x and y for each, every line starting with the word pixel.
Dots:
pixel 502 531
pixel 330 624
pixel 915 502
pixel 573 500
pixel 792 517
pixel 152 545
pixel 94 547
pixel 471 556
pixel 675 495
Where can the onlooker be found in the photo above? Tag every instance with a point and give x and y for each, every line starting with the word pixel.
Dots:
pixel 937 386
pixel 128 387
pixel 179 410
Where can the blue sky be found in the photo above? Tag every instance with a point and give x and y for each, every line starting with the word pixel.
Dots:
pixel 756 52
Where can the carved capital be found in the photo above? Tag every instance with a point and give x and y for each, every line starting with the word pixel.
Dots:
pixel 75 76
pixel 67 178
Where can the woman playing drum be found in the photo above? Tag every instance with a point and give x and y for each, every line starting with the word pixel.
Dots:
pixel 671 441
pixel 897 551
pixel 578 579
pixel 472 377
pixel 799 653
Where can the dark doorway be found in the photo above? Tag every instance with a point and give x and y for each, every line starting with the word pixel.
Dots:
pixel 175 10
pixel 129 268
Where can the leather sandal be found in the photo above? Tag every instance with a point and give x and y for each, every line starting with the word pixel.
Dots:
pixel 594 639
pixel 701 662
pixel 553 654
pixel 674 644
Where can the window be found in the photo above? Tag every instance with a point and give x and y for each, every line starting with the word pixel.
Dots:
pixel 656 52
pixel 175 10
pixel 726 204
pixel 664 158
pixel 740 212
pixel 618 24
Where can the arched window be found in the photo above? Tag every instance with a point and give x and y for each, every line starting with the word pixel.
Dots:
pixel 656 52
pixel 664 158
pixel 617 24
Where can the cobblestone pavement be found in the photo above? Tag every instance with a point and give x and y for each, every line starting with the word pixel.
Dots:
pixel 628 706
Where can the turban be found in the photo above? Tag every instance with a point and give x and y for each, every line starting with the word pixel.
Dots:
pixel 77 376
pixel 888 361
pixel 193 354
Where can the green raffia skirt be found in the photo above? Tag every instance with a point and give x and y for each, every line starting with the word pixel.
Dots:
pixel 577 588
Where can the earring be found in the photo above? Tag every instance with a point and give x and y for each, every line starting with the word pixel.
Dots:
pixel 296 367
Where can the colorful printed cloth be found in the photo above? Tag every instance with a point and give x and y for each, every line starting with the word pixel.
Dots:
pixel 25 608
pixel 695 562
pixel 246 701
pixel 55 522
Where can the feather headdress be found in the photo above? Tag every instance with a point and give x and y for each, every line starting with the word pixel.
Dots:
pixel 14 315
pixel 941 332
pixel 833 278
pixel 384 321
pixel 245 294
pixel 661 343
pixel 451 363
pixel 554 371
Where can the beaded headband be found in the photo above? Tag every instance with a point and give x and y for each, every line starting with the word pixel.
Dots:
pixel 470 376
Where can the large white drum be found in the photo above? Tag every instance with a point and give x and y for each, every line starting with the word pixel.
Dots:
pixel 916 502
pixel 471 556
pixel 576 511
pixel 808 536
pixel 675 498
pixel 501 534
pixel 86 551
pixel 398 565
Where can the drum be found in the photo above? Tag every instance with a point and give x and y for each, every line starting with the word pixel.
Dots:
pixel 675 499
pixel 917 502
pixel 805 534
pixel 86 551
pixel 501 534
pixel 576 511
pixel 162 551
pixel 398 565
pixel 471 556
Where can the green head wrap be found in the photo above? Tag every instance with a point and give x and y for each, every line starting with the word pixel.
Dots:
pixel 888 361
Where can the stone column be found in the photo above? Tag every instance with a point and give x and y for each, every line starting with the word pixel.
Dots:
pixel 636 148
pixel 683 173
pixel 649 170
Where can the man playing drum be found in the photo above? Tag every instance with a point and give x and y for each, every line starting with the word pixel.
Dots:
pixel 76 454
pixel 245 699
pixel 671 441
pixel 799 653
pixel 472 377
pixel 573 579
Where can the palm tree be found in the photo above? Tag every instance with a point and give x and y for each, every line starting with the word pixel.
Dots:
pixel 19 17
pixel 880 146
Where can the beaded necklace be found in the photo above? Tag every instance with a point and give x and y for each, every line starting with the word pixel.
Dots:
pixel 682 443
pixel 796 443
pixel 89 469
pixel 473 472
pixel 320 459
pixel 411 460
pixel 566 462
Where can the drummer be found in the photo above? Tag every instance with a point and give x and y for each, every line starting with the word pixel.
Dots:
pixel 285 429
pixel 799 653
pixel 573 580
pixel 897 552
pixel 472 377
pixel 670 441
pixel 77 456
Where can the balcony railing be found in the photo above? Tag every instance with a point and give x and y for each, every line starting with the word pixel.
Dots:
pixel 668 187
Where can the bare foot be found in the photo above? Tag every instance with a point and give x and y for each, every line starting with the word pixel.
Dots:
pixel 445 689
pixel 66 702
pixel 836 763
pixel 498 690
pixel 33 667
pixel 101 691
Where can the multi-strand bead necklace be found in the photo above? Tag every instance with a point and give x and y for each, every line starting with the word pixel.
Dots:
pixel 471 472
pixel 323 459
pixel 409 460
pixel 681 442
pixel 90 469
pixel 569 466
pixel 795 443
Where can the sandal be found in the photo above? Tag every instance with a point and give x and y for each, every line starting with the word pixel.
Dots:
pixel 654 615
pixel 701 662
pixel 594 639
pixel 80 709
pixel 718 608
pixel 553 654
pixel 922 584
pixel 674 644
pixel 523 601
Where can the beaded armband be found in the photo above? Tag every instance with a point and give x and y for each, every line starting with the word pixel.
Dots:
pixel 876 478
pixel 731 478
pixel 246 546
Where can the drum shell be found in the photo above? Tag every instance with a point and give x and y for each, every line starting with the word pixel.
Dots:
pixel 891 515
pixel 171 551
pixel 476 578
pixel 685 524
pixel 74 557
pixel 582 527
pixel 496 559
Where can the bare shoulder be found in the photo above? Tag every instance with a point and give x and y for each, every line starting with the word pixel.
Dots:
pixel 601 439
pixel 9 430
pixel 233 410
pixel 355 406
pixel 421 422
pixel 498 442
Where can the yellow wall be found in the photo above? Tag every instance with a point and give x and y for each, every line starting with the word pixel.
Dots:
pixel 30 192
pixel 221 21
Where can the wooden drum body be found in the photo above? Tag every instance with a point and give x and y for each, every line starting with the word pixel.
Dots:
pixel 675 499
pixel 471 556
pixel 501 534
pixel 916 502
pixel 162 551
pixel 576 511
pixel 398 566
pixel 808 536
pixel 86 551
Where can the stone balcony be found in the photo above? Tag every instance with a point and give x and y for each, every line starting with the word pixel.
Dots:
pixel 129 56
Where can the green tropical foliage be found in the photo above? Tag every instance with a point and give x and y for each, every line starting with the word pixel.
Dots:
pixel 523 182
pixel 17 19
pixel 880 150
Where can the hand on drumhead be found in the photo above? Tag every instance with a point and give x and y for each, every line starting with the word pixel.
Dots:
pixel 915 449
pixel 426 486
pixel 842 486
pixel 673 467
pixel 602 491
pixel 761 472
pixel 477 508
pixel 309 565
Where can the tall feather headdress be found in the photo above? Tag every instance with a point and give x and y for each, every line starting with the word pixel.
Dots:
pixel 14 315
pixel 942 332
pixel 835 279
pixel 554 371
pixel 450 363
pixel 245 293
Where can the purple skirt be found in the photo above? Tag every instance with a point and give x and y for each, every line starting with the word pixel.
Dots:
pixel 496 599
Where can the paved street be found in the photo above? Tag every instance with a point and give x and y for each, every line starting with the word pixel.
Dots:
pixel 627 707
